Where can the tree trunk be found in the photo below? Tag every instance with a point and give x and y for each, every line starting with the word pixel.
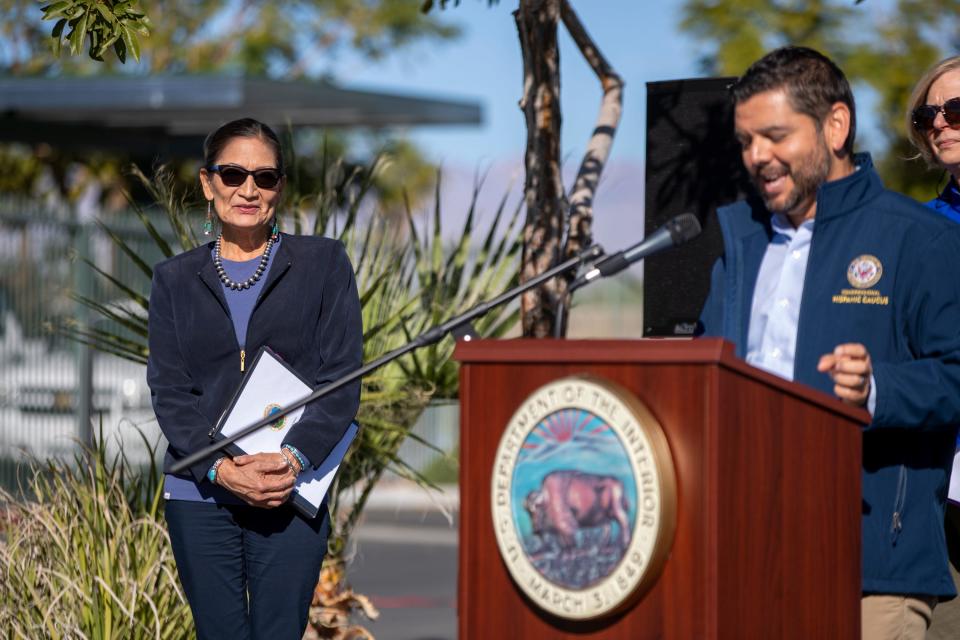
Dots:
pixel 544 197
pixel 580 222
pixel 557 229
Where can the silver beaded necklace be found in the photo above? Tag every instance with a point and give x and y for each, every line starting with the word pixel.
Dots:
pixel 249 282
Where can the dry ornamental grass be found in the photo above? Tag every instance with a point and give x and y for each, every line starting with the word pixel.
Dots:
pixel 88 556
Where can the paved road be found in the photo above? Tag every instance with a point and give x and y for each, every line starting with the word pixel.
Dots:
pixel 407 563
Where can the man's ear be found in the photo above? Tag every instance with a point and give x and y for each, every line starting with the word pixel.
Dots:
pixel 836 127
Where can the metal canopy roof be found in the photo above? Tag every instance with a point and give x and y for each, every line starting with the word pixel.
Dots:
pixel 175 112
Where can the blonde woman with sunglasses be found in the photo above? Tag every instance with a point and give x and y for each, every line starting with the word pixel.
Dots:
pixel 934 129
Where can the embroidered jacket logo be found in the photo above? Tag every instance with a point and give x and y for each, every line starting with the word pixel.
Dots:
pixel 864 272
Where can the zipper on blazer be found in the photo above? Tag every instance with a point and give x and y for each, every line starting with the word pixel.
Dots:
pixel 243 359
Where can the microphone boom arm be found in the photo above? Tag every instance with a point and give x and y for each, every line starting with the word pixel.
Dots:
pixel 429 337
pixel 677 231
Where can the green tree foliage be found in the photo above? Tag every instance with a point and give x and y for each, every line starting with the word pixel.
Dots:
pixel 293 39
pixel 430 4
pixel 737 33
pixel 102 23
pixel 260 37
pixel 885 46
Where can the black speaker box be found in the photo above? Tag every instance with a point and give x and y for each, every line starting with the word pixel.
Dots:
pixel 692 165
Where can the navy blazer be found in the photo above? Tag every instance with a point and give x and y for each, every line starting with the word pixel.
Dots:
pixel 308 312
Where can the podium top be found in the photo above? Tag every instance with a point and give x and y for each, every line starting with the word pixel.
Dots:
pixel 702 351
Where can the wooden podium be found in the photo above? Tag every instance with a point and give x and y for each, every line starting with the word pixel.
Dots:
pixel 767 539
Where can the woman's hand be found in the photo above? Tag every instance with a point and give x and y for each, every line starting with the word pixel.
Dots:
pixel 261 480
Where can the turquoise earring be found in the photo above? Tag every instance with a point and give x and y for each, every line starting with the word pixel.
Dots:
pixel 208 224
pixel 275 229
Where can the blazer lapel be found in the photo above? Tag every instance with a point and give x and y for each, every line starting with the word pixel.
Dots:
pixel 282 261
pixel 208 275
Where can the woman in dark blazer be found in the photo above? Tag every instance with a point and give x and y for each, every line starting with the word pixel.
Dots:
pixel 248 562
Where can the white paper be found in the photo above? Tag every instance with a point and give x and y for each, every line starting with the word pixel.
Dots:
pixel 313 485
pixel 954 493
pixel 271 385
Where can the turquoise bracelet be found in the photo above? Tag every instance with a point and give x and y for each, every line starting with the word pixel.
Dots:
pixel 296 454
pixel 212 473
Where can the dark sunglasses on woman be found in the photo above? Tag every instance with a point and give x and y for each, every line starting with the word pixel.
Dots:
pixel 924 115
pixel 234 176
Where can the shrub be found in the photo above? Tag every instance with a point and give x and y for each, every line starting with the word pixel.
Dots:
pixel 89 556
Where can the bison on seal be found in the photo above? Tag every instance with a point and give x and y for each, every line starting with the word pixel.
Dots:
pixel 568 501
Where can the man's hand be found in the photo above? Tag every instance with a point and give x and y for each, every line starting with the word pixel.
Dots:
pixel 850 369
pixel 261 480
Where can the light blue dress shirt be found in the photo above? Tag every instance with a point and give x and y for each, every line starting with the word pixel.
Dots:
pixel 775 310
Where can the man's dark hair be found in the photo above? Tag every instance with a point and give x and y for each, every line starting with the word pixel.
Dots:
pixel 812 81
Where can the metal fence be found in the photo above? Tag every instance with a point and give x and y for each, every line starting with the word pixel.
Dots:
pixel 49 383
pixel 56 393
pixel 439 424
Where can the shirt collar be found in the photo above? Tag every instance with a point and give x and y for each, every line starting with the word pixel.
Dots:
pixel 781 225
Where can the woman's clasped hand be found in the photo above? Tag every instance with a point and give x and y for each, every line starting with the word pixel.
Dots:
pixel 261 480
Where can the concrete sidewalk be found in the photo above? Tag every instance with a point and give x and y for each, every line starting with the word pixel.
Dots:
pixel 405 560
pixel 400 512
pixel 397 495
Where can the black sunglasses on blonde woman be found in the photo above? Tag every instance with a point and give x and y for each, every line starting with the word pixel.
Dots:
pixel 924 115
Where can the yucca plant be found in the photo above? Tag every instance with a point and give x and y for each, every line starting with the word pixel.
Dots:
pixel 453 279
pixel 89 556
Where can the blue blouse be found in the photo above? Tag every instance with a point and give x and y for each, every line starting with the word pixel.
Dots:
pixel 241 303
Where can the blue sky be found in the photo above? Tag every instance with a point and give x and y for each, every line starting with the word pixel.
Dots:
pixel 640 39
pixel 484 65
pixel 640 42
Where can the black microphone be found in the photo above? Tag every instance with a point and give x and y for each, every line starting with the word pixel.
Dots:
pixel 675 232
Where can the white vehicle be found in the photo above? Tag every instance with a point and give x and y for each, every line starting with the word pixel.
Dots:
pixel 39 399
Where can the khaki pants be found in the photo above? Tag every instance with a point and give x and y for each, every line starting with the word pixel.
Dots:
pixel 891 617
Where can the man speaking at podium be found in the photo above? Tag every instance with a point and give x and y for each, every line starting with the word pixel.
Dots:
pixel 833 281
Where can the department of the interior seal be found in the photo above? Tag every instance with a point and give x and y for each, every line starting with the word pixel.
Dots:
pixel 583 498
pixel 271 409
